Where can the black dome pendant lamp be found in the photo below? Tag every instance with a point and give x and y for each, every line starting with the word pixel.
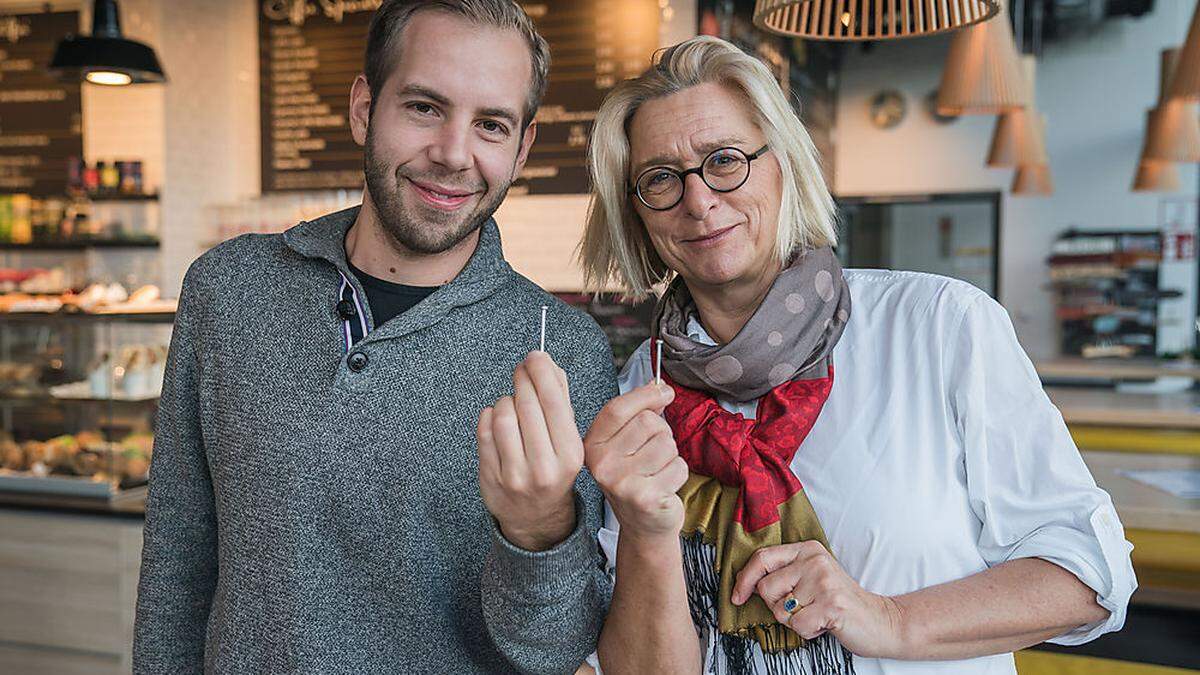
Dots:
pixel 105 57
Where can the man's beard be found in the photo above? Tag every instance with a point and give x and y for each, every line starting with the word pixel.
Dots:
pixel 432 231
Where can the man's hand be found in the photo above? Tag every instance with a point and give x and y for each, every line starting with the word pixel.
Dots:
pixel 529 455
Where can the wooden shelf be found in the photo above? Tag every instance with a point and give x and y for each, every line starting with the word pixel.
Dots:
pixel 120 197
pixel 39 317
pixel 81 245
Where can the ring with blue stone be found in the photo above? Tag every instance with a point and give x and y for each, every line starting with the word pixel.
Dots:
pixel 791 604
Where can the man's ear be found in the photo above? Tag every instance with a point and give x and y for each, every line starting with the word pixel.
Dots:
pixel 360 109
pixel 527 139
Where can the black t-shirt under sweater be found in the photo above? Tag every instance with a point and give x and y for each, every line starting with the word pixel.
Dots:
pixel 389 300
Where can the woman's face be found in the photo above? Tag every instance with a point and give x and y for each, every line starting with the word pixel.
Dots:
pixel 710 238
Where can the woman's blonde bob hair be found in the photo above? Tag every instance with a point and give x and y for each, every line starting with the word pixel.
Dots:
pixel 615 244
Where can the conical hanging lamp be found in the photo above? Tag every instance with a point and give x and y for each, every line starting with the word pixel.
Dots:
pixel 1016 140
pixel 106 57
pixel 1172 127
pixel 983 74
pixel 1034 179
pixel 1186 82
pixel 1156 176
pixel 849 20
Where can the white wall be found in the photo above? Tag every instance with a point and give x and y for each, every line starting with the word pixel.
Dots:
pixel 1094 92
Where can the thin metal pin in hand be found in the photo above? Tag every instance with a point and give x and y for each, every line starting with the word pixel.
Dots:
pixel 658 364
pixel 543 343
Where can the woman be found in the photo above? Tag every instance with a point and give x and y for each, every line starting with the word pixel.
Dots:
pixel 863 468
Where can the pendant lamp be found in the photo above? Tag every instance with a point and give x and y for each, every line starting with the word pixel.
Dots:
pixel 1173 126
pixel 983 74
pixel 850 20
pixel 1186 82
pixel 1016 140
pixel 105 57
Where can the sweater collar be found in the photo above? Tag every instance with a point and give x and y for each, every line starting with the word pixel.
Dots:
pixel 485 272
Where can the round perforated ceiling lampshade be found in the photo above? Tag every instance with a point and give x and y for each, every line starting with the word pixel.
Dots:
pixel 849 20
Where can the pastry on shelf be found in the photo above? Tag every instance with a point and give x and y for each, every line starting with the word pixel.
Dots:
pixel 144 295
pixel 36 458
pixel 59 451
pixel 147 299
pixel 45 282
pixel 11 455
pixel 91 460
pixel 88 299
pixel 23 302
pixel 134 456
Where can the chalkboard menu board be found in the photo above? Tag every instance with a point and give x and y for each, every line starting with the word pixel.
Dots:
pixel 310 52
pixel 309 55
pixel 593 45
pixel 40 117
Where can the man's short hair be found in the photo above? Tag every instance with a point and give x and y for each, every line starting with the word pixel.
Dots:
pixel 387 27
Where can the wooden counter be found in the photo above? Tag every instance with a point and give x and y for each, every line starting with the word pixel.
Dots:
pixel 1139 505
pixel 1076 368
pixel 68 585
pixel 1105 407
pixel 1164 529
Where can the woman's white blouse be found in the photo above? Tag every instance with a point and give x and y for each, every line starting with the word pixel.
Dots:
pixel 938 455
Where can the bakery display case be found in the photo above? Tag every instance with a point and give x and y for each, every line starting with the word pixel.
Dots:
pixel 80 374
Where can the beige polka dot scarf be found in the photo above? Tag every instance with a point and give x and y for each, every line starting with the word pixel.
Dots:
pixel 791 336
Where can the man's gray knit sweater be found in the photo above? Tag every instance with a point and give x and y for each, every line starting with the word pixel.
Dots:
pixel 313 511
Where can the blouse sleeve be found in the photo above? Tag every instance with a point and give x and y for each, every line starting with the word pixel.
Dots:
pixel 1026 480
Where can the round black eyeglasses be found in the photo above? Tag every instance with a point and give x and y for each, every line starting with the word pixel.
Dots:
pixel 660 188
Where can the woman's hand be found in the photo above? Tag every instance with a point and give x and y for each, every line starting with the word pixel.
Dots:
pixel 829 601
pixel 631 453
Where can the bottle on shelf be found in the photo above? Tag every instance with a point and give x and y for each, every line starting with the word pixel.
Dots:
pixel 91 179
pixel 21 229
pixel 110 178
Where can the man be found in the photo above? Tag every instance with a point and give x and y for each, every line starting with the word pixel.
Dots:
pixel 315 502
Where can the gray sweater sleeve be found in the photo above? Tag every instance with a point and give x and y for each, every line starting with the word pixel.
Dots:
pixel 179 554
pixel 545 610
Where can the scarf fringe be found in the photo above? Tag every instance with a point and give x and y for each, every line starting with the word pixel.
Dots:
pixel 821 656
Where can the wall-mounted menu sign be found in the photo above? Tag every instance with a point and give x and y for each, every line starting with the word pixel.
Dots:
pixel 310 51
pixel 40 117
pixel 309 54
pixel 593 45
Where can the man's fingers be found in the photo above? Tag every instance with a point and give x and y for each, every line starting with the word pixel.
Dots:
pixel 489 459
pixel 506 434
pixel 532 423
pixel 550 383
